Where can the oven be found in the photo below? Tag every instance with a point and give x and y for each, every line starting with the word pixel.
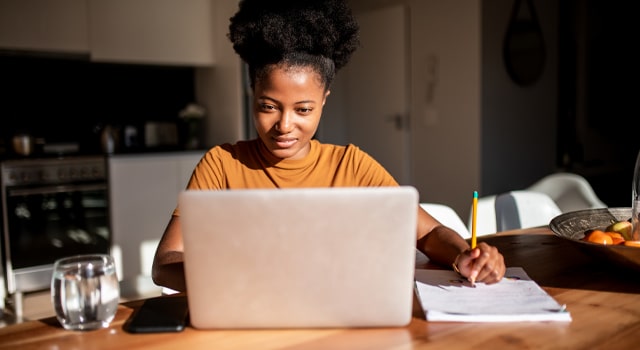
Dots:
pixel 51 208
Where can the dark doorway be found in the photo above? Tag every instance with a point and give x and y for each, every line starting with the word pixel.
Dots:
pixel 599 122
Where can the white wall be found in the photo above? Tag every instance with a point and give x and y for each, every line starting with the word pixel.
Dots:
pixel 446 139
pixel 481 131
pixel 219 88
pixel 445 131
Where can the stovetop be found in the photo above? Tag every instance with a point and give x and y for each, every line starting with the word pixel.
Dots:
pixel 52 170
pixel 13 157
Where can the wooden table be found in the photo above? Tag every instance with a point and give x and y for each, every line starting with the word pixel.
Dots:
pixel 604 303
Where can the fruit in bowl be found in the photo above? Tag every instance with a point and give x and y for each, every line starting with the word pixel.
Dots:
pixel 602 237
pixel 618 232
pixel 622 227
pixel 573 226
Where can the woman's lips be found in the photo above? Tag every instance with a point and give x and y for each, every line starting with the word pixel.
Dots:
pixel 283 142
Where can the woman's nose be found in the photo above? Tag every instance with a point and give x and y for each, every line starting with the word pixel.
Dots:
pixel 285 124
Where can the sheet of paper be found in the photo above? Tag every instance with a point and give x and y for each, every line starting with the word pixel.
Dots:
pixel 445 296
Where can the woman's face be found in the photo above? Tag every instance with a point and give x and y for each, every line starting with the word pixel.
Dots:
pixel 287 108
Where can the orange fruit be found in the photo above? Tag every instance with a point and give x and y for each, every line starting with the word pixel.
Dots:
pixel 632 244
pixel 616 237
pixel 598 236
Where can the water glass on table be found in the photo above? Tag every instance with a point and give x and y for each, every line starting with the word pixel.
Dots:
pixel 84 291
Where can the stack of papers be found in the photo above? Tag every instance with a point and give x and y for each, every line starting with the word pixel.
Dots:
pixel 445 296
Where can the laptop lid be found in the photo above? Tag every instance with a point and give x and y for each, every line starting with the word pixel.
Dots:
pixel 299 258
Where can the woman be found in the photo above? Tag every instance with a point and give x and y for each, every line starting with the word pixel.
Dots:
pixel 293 49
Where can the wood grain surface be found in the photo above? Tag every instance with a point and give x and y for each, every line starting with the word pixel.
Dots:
pixel 604 302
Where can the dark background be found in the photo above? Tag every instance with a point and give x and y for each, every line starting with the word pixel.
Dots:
pixel 598 118
pixel 70 99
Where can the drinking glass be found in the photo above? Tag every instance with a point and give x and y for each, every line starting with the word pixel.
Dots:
pixel 635 204
pixel 84 291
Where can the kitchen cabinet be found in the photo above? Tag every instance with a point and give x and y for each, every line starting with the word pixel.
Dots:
pixel 44 25
pixel 152 31
pixel 162 32
pixel 143 191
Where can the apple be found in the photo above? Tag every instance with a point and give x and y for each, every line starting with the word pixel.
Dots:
pixel 622 227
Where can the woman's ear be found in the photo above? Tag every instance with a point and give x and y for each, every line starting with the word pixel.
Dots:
pixel 326 94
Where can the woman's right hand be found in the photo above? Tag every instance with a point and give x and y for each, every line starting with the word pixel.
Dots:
pixel 481 264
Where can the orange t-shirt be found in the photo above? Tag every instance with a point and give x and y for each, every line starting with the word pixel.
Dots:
pixel 249 164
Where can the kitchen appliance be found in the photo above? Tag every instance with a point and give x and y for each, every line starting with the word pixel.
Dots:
pixel 160 134
pixel 110 139
pixel 51 208
pixel 23 144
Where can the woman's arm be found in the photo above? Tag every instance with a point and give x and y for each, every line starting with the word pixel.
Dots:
pixel 440 243
pixel 168 267
pixel 444 246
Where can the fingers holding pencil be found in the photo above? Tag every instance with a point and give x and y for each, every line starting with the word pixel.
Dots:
pixel 482 264
pixel 485 263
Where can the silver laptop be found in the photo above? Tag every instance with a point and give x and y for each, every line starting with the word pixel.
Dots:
pixel 300 258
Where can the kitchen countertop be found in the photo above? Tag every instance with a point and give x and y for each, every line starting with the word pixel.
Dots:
pixel 141 152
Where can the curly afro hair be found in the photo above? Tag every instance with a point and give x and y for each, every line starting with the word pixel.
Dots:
pixel 320 34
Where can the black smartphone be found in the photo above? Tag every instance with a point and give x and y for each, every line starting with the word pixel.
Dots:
pixel 159 314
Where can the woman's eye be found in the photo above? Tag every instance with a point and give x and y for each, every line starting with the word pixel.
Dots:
pixel 305 110
pixel 267 107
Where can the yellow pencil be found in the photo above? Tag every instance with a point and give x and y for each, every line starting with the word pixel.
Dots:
pixel 473 219
pixel 474 214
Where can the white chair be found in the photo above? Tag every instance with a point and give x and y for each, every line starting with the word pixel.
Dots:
pixel 147 254
pixel 524 209
pixel 116 254
pixel 447 216
pixel 485 216
pixel 570 191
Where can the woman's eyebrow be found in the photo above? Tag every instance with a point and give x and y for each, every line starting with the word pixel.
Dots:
pixel 261 98
pixel 276 101
pixel 306 101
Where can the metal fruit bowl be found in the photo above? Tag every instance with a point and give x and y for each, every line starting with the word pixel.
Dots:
pixel 572 226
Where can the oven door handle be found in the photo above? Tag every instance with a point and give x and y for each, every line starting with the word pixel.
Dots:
pixel 55 189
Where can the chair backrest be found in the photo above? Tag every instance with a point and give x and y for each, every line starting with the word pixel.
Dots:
pixel 147 253
pixel 524 209
pixel 447 216
pixel 570 191
pixel 116 254
pixel 486 216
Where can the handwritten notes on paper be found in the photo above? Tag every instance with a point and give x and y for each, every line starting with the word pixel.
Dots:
pixel 445 296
